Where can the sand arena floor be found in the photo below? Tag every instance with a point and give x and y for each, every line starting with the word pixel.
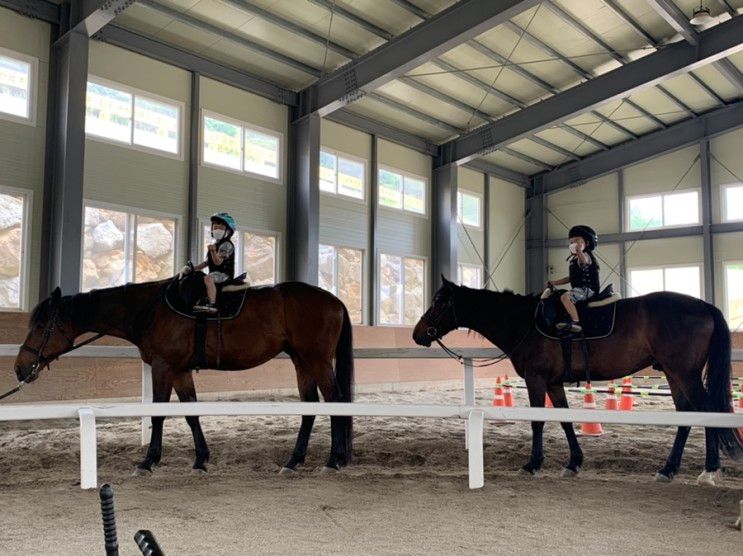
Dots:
pixel 406 492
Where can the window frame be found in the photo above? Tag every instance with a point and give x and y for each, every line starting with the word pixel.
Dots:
pixel 340 154
pixel 663 195
pixel 700 267
pixel 471 265
pixel 134 92
pixel 726 295
pixel 23 289
pixel 33 88
pixel 378 285
pixel 206 113
pixel 724 201
pixel 480 198
pixel 404 174
pixel 132 212
pixel 363 275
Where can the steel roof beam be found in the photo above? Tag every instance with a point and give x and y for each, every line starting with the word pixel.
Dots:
pixel 41 9
pixel 496 171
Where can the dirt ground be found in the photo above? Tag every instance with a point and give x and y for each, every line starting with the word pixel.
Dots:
pixel 406 492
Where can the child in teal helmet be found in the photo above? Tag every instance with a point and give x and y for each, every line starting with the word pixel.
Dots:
pixel 220 259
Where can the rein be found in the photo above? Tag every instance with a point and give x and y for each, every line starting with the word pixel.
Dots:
pixel 43 361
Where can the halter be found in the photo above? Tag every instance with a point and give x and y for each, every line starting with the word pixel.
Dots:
pixel 43 361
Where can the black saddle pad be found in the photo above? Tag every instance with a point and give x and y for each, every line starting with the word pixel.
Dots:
pixel 597 322
pixel 229 304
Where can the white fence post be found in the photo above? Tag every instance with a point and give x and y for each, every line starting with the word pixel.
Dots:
pixel 469 395
pixel 476 419
pixel 146 398
pixel 88 449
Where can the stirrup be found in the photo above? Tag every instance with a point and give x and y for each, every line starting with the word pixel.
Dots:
pixel 208 308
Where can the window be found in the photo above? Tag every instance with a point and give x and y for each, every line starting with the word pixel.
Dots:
pixel 402 191
pixel 470 275
pixel 342 175
pixel 14 222
pixel 734 294
pixel 238 146
pixel 401 287
pixel 256 254
pixel 18 86
pixel 732 201
pixel 122 246
pixel 340 272
pixel 666 210
pixel 468 209
pixel 680 279
pixel 123 115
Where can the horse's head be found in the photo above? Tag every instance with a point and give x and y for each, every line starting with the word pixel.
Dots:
pixel 48 336
pixel 440 319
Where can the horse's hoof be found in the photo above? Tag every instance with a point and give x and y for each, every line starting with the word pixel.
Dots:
pixel 326 470
pixel 198 471
pixel 141 472
pixel 287 471
pixel 709 478
pixel 663 478
pixel 570 473
pixel 527 472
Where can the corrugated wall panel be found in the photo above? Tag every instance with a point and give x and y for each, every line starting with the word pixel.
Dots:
pixel 507 205
pixel 594 204
pixel 471 240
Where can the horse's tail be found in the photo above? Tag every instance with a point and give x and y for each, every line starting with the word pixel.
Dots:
pixel 344 377
pixel 719 369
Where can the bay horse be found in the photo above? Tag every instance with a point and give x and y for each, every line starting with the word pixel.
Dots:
pixel 670 331
pixel 310 324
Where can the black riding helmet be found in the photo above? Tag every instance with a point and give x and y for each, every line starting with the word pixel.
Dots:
pixel 587 233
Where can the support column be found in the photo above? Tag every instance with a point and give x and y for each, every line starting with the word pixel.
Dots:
pixel 64 186
pixel 444 225
pixel 486 230
pixel 536 235
pixel 708 248
pixel 303 199
pixel 622 244
pixel 373 239
pixel 193 248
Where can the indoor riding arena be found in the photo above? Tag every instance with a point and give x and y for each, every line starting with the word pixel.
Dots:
pixel 371 277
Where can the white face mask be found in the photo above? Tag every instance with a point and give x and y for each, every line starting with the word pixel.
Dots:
pixel 218 234
pixel 573 248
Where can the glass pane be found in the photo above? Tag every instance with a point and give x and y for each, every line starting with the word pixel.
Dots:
pixel 104 255
pixel 327 172
pixel 108 113
pixel 15 83
pixel 413 290
pixel 259 257
pixel 11 250
pixel 351 178
pixel 646 212
pixel 645 281
pixel 326 268
pixel 390 289
pixel 350 271
pixel 685 279
pixel 415 195
pixel 470 209
pixel 681 208
pixel 221 143
pixel 390 189
pixel 470 276
pixel 261 153
pixel 156 124
pixel 734 203
pixel 734 294
pixel 155 259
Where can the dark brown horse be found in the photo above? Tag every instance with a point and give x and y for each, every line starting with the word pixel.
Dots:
pixel 674 332
pixel 309 324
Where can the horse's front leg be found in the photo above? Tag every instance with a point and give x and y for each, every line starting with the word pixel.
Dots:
pixel 559 399
pixel 184 387
pixel 162 385
pixel 537 389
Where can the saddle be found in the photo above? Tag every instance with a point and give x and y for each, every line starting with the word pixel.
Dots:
pixel 597 315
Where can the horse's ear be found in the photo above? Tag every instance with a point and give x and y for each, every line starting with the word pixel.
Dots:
pixel 56 295
pixel 447 284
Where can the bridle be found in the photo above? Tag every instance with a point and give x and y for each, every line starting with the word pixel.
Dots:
pixel 43 361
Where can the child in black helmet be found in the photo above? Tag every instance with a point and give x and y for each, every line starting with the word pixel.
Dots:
pixel 583 277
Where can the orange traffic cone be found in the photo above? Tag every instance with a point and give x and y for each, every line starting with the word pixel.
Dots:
pixel 507 393
pixel 589 402
pixel 498 400
pixel 611 398
pixel 547 401
pixel 627 401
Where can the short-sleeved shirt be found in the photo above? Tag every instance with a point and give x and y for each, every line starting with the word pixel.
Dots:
pixel 226 250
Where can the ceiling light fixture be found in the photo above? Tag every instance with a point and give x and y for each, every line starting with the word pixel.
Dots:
pixel 701 15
